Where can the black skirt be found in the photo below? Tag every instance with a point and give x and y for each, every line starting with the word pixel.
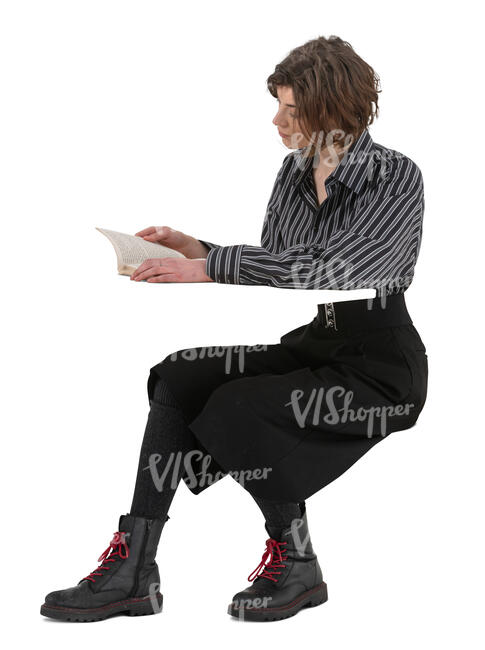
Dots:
pixel 286 419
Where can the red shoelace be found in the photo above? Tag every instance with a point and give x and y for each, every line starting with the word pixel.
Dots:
pixel 117 548
pixel 267 569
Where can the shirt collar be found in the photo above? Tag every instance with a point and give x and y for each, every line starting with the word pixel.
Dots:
pixel 353 169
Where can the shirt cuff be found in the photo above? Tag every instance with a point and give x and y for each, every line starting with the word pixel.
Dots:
pixel 209 245
pixel 223 264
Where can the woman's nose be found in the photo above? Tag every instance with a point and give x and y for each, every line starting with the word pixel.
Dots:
pixel 277 121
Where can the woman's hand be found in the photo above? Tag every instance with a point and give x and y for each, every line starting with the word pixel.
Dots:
pixel 178 241
pixel 172 269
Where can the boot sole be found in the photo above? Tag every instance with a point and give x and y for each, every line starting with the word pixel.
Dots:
pixel 130 607
pixel 311 598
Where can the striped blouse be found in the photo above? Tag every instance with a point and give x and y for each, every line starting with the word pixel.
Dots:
pixel 365 234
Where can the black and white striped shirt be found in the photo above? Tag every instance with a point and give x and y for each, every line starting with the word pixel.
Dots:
pixel 365 234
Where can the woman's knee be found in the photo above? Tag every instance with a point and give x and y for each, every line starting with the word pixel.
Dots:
pixel 163 375
pixel 162 393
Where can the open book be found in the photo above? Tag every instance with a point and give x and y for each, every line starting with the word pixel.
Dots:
pixel 131 251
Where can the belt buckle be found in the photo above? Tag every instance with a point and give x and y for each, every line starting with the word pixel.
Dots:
pixel 330 320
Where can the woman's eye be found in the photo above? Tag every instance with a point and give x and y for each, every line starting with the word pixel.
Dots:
pixel 292 115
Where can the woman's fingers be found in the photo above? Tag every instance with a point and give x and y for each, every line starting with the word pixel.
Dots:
pixel 172 270
pixel 154 270
pixel 155 267
pixel 146 231
pixel 144 266
pixel 163 235
pixel 158 236
pixel 166 277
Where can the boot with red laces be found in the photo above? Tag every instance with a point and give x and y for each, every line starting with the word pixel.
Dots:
pixel 126 582
pixel 287 579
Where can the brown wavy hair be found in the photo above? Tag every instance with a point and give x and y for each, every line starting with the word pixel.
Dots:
pixel 333 88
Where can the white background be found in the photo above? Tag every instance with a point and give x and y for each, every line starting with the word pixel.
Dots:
pixel 130 114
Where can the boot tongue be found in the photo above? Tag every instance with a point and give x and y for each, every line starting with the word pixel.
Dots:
pixel 126 523
pixel 117 550
pixel 274 533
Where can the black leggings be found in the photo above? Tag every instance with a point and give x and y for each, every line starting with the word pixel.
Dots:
pixel 166 441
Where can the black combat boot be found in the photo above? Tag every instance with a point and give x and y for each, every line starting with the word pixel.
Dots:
pixel 126 582
pixel 287 579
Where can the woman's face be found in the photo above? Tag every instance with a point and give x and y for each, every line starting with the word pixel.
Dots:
pixel 288 127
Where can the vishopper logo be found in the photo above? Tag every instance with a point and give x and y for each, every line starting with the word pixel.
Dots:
pixel 176 461
pixel 332 407
pixel 321 273
pixel 300 544
pixel 242 605
pixel 338 273
pixel 336 144
pixel 156 598
pixel 227 352
pixel 319 139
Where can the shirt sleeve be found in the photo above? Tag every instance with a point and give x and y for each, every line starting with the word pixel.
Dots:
pixel 209 245
pixel 222 267
pixel 379 247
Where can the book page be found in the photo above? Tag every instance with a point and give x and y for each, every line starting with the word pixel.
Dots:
pixel 131 251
